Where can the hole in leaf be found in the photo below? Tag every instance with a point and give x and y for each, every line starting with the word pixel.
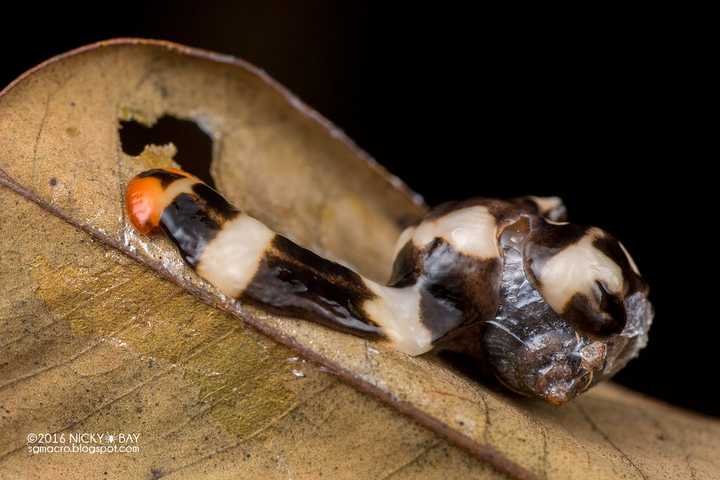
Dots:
pixel 194 146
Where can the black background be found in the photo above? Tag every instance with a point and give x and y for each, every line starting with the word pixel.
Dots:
pixel 607 111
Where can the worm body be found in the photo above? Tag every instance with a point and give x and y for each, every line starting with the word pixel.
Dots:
pixel 550 308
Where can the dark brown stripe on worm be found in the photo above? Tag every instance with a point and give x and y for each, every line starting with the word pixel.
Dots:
pixel 292 280
pixel 218 208
pixel 586 317
pixel 189 226
pixel 456 289
pixel 407 267
pixel 164 176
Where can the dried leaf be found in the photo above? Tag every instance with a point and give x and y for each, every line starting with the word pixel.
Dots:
pixel 94 342
pixel 94 339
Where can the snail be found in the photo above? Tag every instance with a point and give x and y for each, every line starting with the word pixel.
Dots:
pixel 548 307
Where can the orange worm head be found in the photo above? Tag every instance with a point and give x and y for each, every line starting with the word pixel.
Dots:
pixel 146 198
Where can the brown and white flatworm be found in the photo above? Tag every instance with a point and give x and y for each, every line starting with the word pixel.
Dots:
pixel 550 308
